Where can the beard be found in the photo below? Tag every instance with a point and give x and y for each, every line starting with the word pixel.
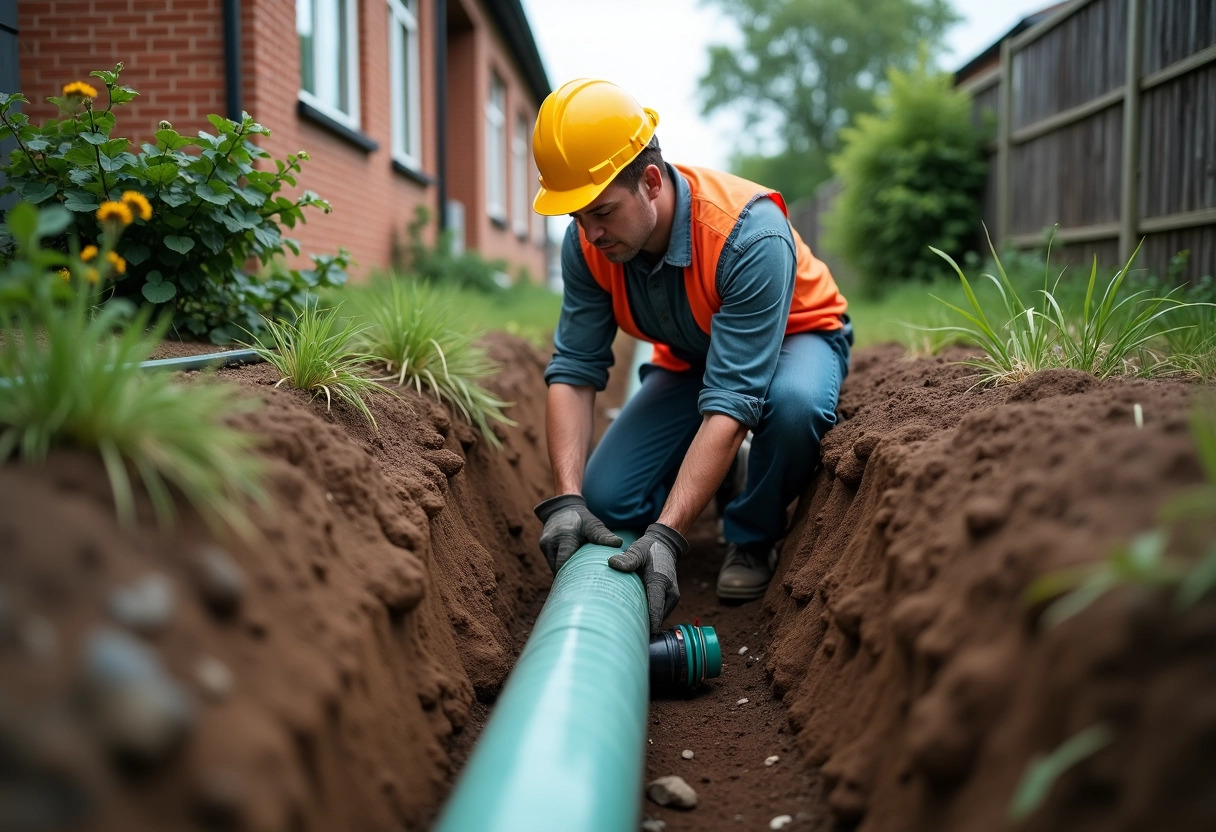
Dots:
pixel 622 253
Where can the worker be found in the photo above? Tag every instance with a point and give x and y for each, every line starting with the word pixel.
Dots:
pixel 749 333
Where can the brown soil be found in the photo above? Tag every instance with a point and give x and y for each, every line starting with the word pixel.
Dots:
pixel 893 669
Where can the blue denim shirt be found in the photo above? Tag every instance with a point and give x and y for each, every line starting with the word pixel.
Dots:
pixel 738 358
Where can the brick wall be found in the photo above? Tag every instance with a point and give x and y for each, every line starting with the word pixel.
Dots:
pixel 173 53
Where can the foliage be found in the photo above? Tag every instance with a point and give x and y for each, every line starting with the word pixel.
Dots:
pixel 912 176
pixel 1045 769
pixel 73 378
pixel 196 210
pixel 524 309
pixel 1109 335
pixel 438 264
pixel 314 353
pixel 805 68
pixel 413 332
pixel 1153 558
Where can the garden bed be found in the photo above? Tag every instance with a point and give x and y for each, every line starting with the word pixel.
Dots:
pixel 333 687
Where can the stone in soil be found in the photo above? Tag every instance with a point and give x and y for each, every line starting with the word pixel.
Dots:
pixel 146 606
pixel 672 790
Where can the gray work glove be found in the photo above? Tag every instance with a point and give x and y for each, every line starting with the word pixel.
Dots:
pixel 654 555
pixel 568 525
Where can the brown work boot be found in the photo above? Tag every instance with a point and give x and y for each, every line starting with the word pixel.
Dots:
pixel 746 571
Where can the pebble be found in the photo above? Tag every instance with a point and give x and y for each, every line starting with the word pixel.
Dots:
pixel 653 825
pixel 768 761
pixel 146 606
pixel 141 713
pixel 213 677
pixel 780 822
pixel 672 791
pixel 742 650
pixel 686 754
pixel 742 701
pixel 220 581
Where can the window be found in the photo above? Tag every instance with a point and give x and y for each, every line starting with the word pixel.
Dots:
pixel 329 58
pixel 496 150
pixel 407 90
pixel 519 177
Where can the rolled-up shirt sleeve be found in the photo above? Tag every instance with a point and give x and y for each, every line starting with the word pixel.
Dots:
pixel 586 327
pixel 756 283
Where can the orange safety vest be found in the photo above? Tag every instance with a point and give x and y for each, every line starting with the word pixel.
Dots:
pixel 718 199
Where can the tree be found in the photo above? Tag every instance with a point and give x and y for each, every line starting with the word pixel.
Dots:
pixel 805 68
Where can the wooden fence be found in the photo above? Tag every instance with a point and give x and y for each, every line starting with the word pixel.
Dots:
pixel 1106 123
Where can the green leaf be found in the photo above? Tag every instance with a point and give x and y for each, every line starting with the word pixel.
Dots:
pixel 121 95
pixel 161 174
pixel 94 138
pixel 208 193
pixel 1199 581
pixel 81 202
pixel 175 198
pixel 161 291
pixel 1044 770
pixel 38 144
pixel 181 245
pixel 22 221
pixel 37 192
pixel 172 140
pixel 80 155
pixel 221 124
pixel 53 221
pixel 136 254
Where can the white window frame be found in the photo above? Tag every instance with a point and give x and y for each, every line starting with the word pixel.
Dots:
pixel 496 149
pixel 406 104
pixel 326 35
pixel 519 177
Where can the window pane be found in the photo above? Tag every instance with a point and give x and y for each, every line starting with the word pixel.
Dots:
pixel 304 28
pixel 343 58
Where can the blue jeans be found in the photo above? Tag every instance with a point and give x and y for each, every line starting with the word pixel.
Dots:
pixel 634 466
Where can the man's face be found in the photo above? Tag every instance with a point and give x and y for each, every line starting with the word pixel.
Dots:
pixel 619 223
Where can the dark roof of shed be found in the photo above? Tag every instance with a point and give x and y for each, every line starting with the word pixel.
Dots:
pixel 513 22
pixel 994 50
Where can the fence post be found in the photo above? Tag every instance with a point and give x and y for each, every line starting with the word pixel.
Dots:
pixel 1129 225
pixel 1004 147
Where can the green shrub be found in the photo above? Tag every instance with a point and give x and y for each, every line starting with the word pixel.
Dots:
pixel 195 209
pixel 437 264
pixel 69 377
pixel 912 175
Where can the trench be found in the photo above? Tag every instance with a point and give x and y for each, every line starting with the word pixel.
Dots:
pixel 893 669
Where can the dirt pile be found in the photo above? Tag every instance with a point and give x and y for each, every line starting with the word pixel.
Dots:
pixel 310 680
pixel 914 671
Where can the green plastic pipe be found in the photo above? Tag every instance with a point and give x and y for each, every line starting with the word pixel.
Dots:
pixel 565 747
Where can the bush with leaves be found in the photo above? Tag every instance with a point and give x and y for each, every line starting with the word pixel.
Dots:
pixel 438 264
pixel 912 176
pixel 197 209
pixel 70 375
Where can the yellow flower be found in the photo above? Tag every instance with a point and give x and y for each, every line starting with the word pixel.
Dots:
pixel 88 253
pixel 120 265
pixel 65 275
pixel 117 212
pixel 79 89
pixel 138 203
pixel 93 275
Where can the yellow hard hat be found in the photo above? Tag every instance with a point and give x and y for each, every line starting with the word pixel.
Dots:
pixel 587 131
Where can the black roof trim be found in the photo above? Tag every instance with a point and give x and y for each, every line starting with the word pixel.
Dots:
pixel 513 22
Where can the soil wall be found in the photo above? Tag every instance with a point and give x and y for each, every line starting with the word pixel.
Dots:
pixel 312 679
pixel 913 669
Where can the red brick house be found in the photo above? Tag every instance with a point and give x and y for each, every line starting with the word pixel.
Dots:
pixel 399 103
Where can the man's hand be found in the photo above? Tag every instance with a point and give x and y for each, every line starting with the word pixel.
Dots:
pixel 568 525
pixel 654 555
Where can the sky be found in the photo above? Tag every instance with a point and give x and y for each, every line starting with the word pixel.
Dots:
pixel 617 41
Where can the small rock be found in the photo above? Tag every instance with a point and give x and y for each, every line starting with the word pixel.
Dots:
pixel 672 791
pixel 768 761
pixel 213 677
pixel 780 822
pixel 686 754
pixel 653 825
pixel 145 606
pixel 220 581
pixel 742 650
pixel 742 701
pixel 140 712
